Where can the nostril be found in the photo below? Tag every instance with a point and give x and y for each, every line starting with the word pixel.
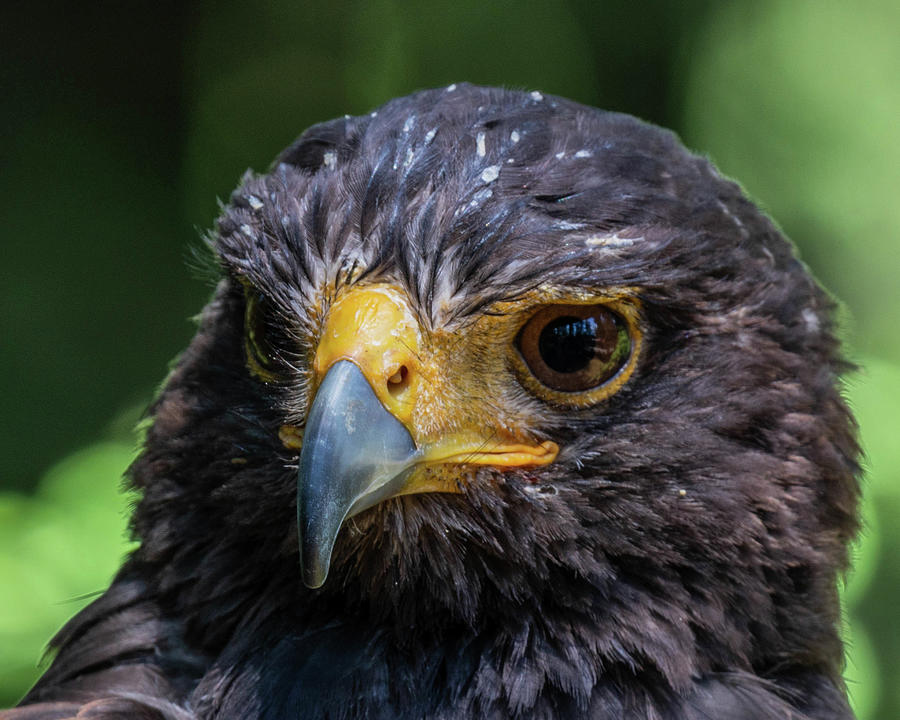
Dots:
pixel 399 381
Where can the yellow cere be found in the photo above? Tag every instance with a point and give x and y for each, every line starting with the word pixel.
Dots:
pixel 374 328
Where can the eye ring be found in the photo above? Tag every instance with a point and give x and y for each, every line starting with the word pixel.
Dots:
pixel 573 349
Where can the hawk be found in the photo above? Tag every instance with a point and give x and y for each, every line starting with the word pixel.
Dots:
pixel 503 407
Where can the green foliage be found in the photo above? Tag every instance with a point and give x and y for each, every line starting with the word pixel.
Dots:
pixel 870 596
pixel 57 549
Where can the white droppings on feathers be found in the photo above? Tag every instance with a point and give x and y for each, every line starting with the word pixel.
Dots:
pixel 490 173
pixel 451 88
pixel 584 154
pixel 329 159
pixel 409 157
pixel 479 145
pixel 568 225
pixel 429 136
pixel 610 241
pixel 477 199
pixel 734 218
pixel 560 155
pixel 510 161
pixel 410 121
pixel 811 320
pixel 535 95
pixel 539 490
pixel 374 113
pixel 480 197
pixel 248 231
pixel 514 136
pixel 254 202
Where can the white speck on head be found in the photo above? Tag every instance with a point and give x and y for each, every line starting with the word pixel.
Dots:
pixel 451 88
pixel 811 320
pixel 535 95
pixel 610 241
pixel 584 153
pixel 514 136
pixel 329 159
pixel 346 117
pixel 744 339
pixel 481 196
pixel 560 155
pixel 477 199
pixel 510 161
pixel 374 113
pixel 429 136
pixel 490 173
pixel 254 202
pixel 410 121
pixel 734 218
pixel 682 493
pixel 479 144
pixel 409 157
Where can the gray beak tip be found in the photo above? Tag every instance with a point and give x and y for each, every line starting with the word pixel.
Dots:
pixel 315 559
pixel 314 578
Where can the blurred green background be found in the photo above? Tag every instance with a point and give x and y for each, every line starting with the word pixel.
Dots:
pixel 125 121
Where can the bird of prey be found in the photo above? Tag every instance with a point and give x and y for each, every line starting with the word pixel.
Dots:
pixel 503 407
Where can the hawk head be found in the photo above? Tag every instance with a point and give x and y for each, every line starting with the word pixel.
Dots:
pixel 514 394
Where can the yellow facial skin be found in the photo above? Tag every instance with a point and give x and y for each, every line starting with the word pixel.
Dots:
pixel 374 328
pixel 455 390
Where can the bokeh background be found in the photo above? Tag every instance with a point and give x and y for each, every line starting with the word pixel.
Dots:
pixel 124 122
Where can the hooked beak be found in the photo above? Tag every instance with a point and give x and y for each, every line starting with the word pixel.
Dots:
pixel 355 454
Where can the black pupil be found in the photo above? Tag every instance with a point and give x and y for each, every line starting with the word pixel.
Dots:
pixel 568 343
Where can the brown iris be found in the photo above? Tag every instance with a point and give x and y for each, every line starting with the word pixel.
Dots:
pixel 573 348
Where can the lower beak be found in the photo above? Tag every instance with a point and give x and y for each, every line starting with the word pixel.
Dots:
pixel 355 454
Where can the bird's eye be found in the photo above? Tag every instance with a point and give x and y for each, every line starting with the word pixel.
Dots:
pixel 573 348
pixel 258 328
